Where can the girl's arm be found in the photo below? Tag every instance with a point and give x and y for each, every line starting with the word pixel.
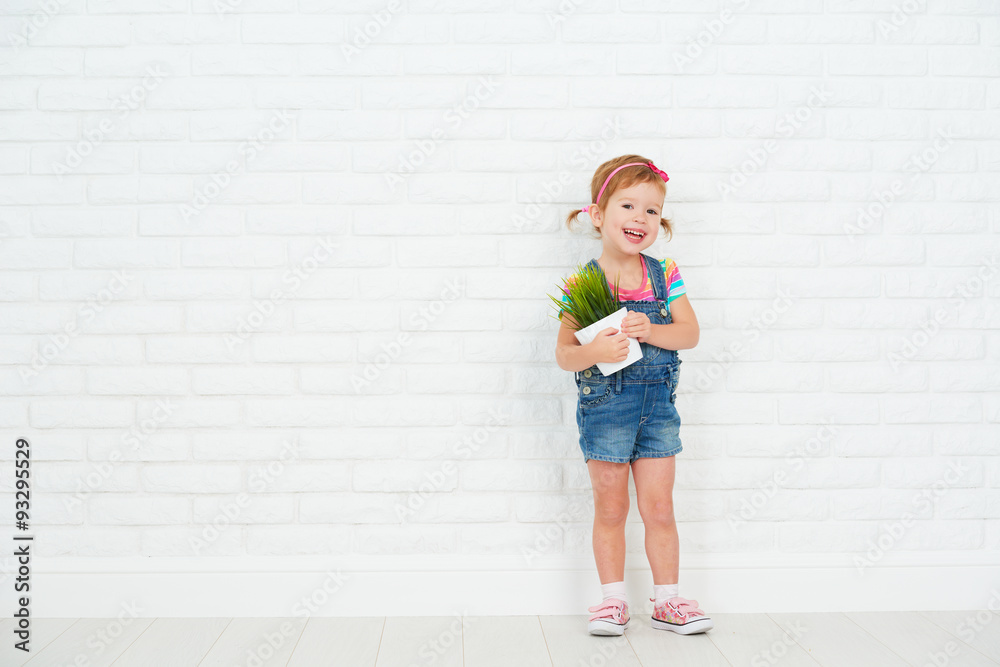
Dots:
pixel 570 354
pixel 683 333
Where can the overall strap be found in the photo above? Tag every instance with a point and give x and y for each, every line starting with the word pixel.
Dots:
pixel 655 271
pixel 656 274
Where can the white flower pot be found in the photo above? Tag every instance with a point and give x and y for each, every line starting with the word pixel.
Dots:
pixel 587 334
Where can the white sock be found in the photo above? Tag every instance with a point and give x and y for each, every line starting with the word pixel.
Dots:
pixel 614 590
pixel 665 592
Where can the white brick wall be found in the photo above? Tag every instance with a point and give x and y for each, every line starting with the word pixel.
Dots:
pixel 216 289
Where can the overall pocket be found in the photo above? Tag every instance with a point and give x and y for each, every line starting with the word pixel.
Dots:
pixel 649 353
pixel 594 391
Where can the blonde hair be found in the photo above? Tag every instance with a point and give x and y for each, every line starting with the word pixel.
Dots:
pixel 625 178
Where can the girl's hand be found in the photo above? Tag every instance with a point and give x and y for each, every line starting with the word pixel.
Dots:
pixel 637 325
pixel 610 346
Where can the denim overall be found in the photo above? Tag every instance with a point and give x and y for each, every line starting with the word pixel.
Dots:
pixel 631 413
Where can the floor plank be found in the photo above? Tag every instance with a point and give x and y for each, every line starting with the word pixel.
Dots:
pixel 174 641
pixel 265 642
pixel 662 647
pixel 978 629
pixel 339 641
pixel 500 641
pixel 421 640
pixel 833 640
pixel 918 640
pixel 570 645
pixel 755 639
pixel 95 642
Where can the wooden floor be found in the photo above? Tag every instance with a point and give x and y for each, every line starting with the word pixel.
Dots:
pixel 878 639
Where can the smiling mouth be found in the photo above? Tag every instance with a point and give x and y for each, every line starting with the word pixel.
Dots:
pixel 634 234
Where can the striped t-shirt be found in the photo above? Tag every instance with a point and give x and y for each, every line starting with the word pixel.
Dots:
pixel 675 286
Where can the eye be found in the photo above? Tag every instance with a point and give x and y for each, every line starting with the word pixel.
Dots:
pixel 653 212
pixel 626 205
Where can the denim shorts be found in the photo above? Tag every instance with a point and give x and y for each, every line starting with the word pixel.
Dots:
pixel 624 421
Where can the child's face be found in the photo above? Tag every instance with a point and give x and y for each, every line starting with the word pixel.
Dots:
pixel 635 208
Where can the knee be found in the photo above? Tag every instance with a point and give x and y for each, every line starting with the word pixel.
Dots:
pixel 659 511
pixel 612 511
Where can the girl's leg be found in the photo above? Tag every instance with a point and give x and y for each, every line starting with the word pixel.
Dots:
pixel 654 489
pixel 610 483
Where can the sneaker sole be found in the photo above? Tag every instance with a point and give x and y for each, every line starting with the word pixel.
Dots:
pixel 604 628
pixel 689 628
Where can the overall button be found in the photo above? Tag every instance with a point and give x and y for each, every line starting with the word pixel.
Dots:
pixel 663 312
pixel 586 390
pixel 587 373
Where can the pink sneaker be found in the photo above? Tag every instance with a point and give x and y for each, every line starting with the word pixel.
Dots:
pixel 611 617
pixel 680 615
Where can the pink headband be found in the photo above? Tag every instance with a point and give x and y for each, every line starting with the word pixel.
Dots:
pixel 661 174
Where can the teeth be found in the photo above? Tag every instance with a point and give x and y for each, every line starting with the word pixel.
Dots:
pixel 639 234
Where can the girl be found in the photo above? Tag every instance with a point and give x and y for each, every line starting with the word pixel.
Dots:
pixel 628 418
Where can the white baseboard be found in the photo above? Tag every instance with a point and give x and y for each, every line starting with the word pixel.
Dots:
pixel 446 585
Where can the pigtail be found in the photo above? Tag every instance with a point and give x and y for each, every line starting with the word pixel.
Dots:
pixel 667 227
pixel 573 217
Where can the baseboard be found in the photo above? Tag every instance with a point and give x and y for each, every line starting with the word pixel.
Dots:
pixel 447 585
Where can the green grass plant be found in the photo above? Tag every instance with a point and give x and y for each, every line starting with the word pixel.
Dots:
pixel 589 297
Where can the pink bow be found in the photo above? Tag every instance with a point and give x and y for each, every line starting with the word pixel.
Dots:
pixel 661 173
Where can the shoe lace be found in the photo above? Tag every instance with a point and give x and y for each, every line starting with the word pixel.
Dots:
pixel 612 608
